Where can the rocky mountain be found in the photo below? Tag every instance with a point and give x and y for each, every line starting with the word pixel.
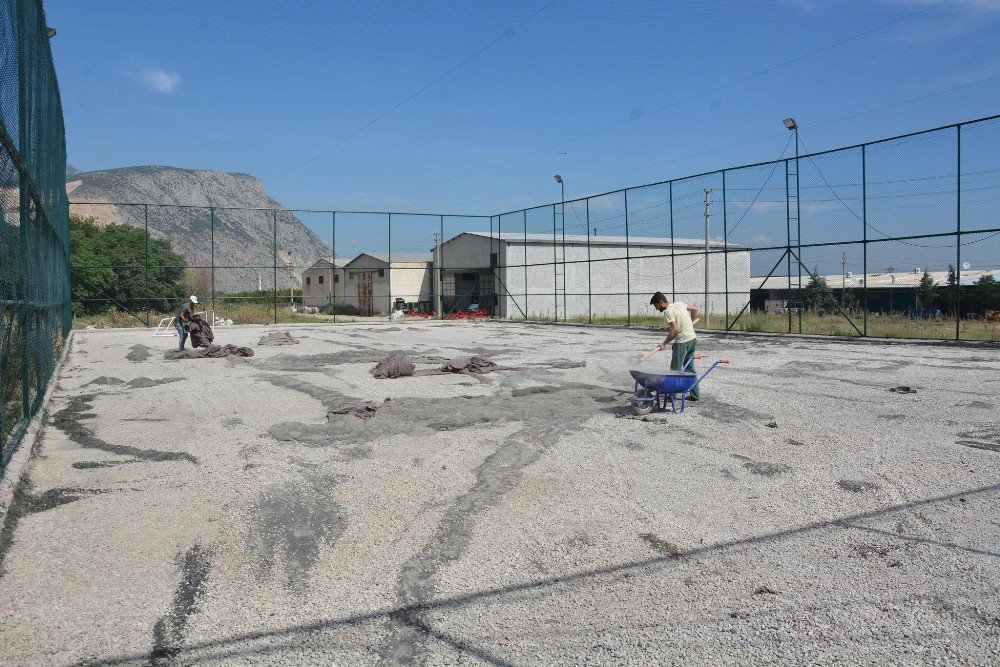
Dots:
pixel 180 209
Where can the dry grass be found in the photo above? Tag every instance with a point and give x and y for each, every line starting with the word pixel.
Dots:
pixel 241 313
pixel 879 326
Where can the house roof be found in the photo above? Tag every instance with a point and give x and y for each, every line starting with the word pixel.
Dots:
pixel 597 240
pixel 325 263
pixel 897 280
pixel 397 257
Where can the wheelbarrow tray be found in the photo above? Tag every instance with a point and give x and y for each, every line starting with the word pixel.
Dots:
pixel 664 381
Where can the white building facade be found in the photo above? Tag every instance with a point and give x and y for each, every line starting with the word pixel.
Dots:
pixel 374 284
pixel 515 275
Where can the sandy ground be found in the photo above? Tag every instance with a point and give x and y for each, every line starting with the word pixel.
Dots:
pixel 205 511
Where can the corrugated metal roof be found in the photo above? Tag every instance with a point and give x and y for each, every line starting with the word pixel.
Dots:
pixel 398 257
pixel 325 263
pixel 582 239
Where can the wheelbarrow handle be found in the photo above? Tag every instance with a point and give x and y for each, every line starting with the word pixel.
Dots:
pixel 710 369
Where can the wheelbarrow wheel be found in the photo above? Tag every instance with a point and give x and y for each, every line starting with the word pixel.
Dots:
pixel 643 407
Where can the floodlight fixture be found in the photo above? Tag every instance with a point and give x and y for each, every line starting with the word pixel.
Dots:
pixel 558 178
pixel 791 124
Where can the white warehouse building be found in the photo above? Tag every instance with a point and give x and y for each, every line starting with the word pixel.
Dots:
pixel 580 276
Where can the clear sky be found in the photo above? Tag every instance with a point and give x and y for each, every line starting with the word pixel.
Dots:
pixel 471 107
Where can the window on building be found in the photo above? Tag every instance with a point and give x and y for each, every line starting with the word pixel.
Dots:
pixel 308 280
pixel 381 273
pixel 336 279
pixel 321 280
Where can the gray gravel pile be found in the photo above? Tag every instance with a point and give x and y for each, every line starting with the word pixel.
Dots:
pixel 801 513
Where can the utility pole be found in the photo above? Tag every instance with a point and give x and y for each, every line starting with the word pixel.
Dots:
pixel 708 215
pixel 437 274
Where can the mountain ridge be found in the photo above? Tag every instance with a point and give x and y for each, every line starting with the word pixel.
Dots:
pixel 181 205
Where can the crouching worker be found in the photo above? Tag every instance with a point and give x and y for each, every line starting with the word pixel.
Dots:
pixel 183 317
pixel 682 338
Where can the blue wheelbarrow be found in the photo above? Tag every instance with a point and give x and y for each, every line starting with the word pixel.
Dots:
pixel 656 387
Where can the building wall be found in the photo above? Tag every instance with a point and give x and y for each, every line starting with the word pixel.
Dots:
pixel 612 290
pixel 470 254
pixel 319 295
pixel 411 281
pixel 380 285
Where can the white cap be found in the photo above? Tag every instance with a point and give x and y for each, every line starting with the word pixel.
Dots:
pixel 194 299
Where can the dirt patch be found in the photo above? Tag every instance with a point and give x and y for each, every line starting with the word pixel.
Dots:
pixel 105 380
pixel 728 413
pixel 70 420
pixel 139 352
pixel 660 545
pixel 762 468
pixel 856 486
pixel 168 633
pixel 144 382
pixel 288 526
pixel 986 438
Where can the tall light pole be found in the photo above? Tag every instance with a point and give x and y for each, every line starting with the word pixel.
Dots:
pixel 708 215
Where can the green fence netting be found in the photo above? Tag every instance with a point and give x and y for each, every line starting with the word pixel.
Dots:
pixel 34 227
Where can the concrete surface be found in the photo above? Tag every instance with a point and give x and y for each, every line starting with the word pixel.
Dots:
pixel 204 511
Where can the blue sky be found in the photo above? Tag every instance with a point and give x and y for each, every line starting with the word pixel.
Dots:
pixel 471 107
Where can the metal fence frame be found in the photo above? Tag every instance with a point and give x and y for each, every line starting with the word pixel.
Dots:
pixel 35 307
pixel 789 250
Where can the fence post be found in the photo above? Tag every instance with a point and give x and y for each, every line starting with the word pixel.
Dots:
pixel 590 289
pixel 333 260
pixel 212 210
pixel 958 237
pixel 788 248
pixel 440 269
pixel 864 234
pixel 628 270
pixel 673 251
pixel 725 246
pixel 145 279
pixel 388 271
pixel 496 270
pixel 555 268
pixel 274 258
pixel 524 214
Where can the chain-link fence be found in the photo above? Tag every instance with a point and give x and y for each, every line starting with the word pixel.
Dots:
pixel 34 233
pixel 894 238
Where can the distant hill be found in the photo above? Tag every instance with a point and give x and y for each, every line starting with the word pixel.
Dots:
pixel 242 237
pixel 71 171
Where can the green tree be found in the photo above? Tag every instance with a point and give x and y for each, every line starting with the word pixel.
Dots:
pixel 926 291
pixel 817 295
pixel 949 292
pixel 110 265
pixel 983 295
pixel 851 302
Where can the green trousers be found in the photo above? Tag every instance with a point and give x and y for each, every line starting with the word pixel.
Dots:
pixel 682 353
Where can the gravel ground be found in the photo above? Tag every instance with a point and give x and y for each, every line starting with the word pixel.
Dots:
pixel 205 511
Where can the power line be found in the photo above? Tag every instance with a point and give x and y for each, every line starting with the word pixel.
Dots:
pixel 388 111
pixel 677 103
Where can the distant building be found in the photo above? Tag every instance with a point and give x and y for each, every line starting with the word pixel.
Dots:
pixel 517 275
pixel 322 283
pixel 887 292
pixel 374 284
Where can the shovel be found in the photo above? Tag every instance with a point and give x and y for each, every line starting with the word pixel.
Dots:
pixel 657 348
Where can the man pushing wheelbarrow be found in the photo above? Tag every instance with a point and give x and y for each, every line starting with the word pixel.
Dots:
pixel 682 338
